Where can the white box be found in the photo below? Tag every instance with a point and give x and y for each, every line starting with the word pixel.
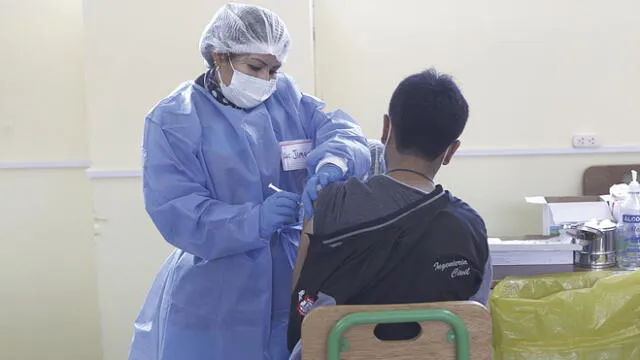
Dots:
pixel 554 251
pixel 561 210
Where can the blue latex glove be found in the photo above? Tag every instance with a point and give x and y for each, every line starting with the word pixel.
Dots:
pixel 279 209
pixel 326 174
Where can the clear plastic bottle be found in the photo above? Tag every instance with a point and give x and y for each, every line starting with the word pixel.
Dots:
pixel 628 232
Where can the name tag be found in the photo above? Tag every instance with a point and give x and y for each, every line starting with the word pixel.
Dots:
pixel 294 154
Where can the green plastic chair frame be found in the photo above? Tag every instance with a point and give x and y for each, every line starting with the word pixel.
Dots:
pixel 336 343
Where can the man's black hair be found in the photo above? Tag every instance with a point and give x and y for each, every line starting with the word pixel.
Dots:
pixel 428 112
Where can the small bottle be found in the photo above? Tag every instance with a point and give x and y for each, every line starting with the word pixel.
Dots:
pixel 628 232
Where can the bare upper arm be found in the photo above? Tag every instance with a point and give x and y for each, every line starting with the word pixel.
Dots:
pixel 308 227
pixel 302 250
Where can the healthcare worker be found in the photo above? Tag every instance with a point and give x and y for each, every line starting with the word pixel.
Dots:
pixel 211 150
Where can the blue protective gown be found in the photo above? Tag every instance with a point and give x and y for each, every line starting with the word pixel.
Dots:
pixel 378 165
pixel 224 293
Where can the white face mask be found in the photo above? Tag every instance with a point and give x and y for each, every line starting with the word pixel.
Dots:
pixel 246 91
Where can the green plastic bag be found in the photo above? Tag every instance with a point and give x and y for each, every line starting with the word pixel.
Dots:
pixel 591 315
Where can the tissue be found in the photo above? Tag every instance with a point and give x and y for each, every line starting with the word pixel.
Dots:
pixel 619 193
pixel 600 225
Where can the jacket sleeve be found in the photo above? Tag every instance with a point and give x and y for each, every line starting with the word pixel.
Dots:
pixel 180 205
pixel 458 256
pixel 335 135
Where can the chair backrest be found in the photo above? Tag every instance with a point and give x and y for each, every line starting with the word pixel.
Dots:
pixel 436 340
pixel 596 180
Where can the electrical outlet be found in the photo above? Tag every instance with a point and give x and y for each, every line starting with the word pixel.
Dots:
pixel 585 141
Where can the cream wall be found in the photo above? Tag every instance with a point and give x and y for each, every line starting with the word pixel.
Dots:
pixel 48 293
pixel 534 71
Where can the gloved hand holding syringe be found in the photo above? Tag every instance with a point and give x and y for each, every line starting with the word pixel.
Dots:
pixel 298 224
pixel 277 189
pixel 274 188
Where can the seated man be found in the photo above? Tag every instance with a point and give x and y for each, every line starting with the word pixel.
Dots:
pixel 397 238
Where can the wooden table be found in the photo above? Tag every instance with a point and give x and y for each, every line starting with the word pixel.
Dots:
pixel 502 271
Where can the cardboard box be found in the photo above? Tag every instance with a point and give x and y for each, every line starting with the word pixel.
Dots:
pixel 562 210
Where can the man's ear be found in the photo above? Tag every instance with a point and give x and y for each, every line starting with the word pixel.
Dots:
pixel 450 151
pixel 385 129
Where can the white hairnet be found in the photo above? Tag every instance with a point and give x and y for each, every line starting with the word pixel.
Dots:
pixel 245 29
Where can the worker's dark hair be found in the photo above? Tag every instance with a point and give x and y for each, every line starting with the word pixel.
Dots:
pixel 428 113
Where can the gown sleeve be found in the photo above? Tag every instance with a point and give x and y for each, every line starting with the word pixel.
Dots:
pixel 179 203
pixel 337 138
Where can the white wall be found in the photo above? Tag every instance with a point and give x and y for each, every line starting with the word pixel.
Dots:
pixel 534 72
pixel 48 292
